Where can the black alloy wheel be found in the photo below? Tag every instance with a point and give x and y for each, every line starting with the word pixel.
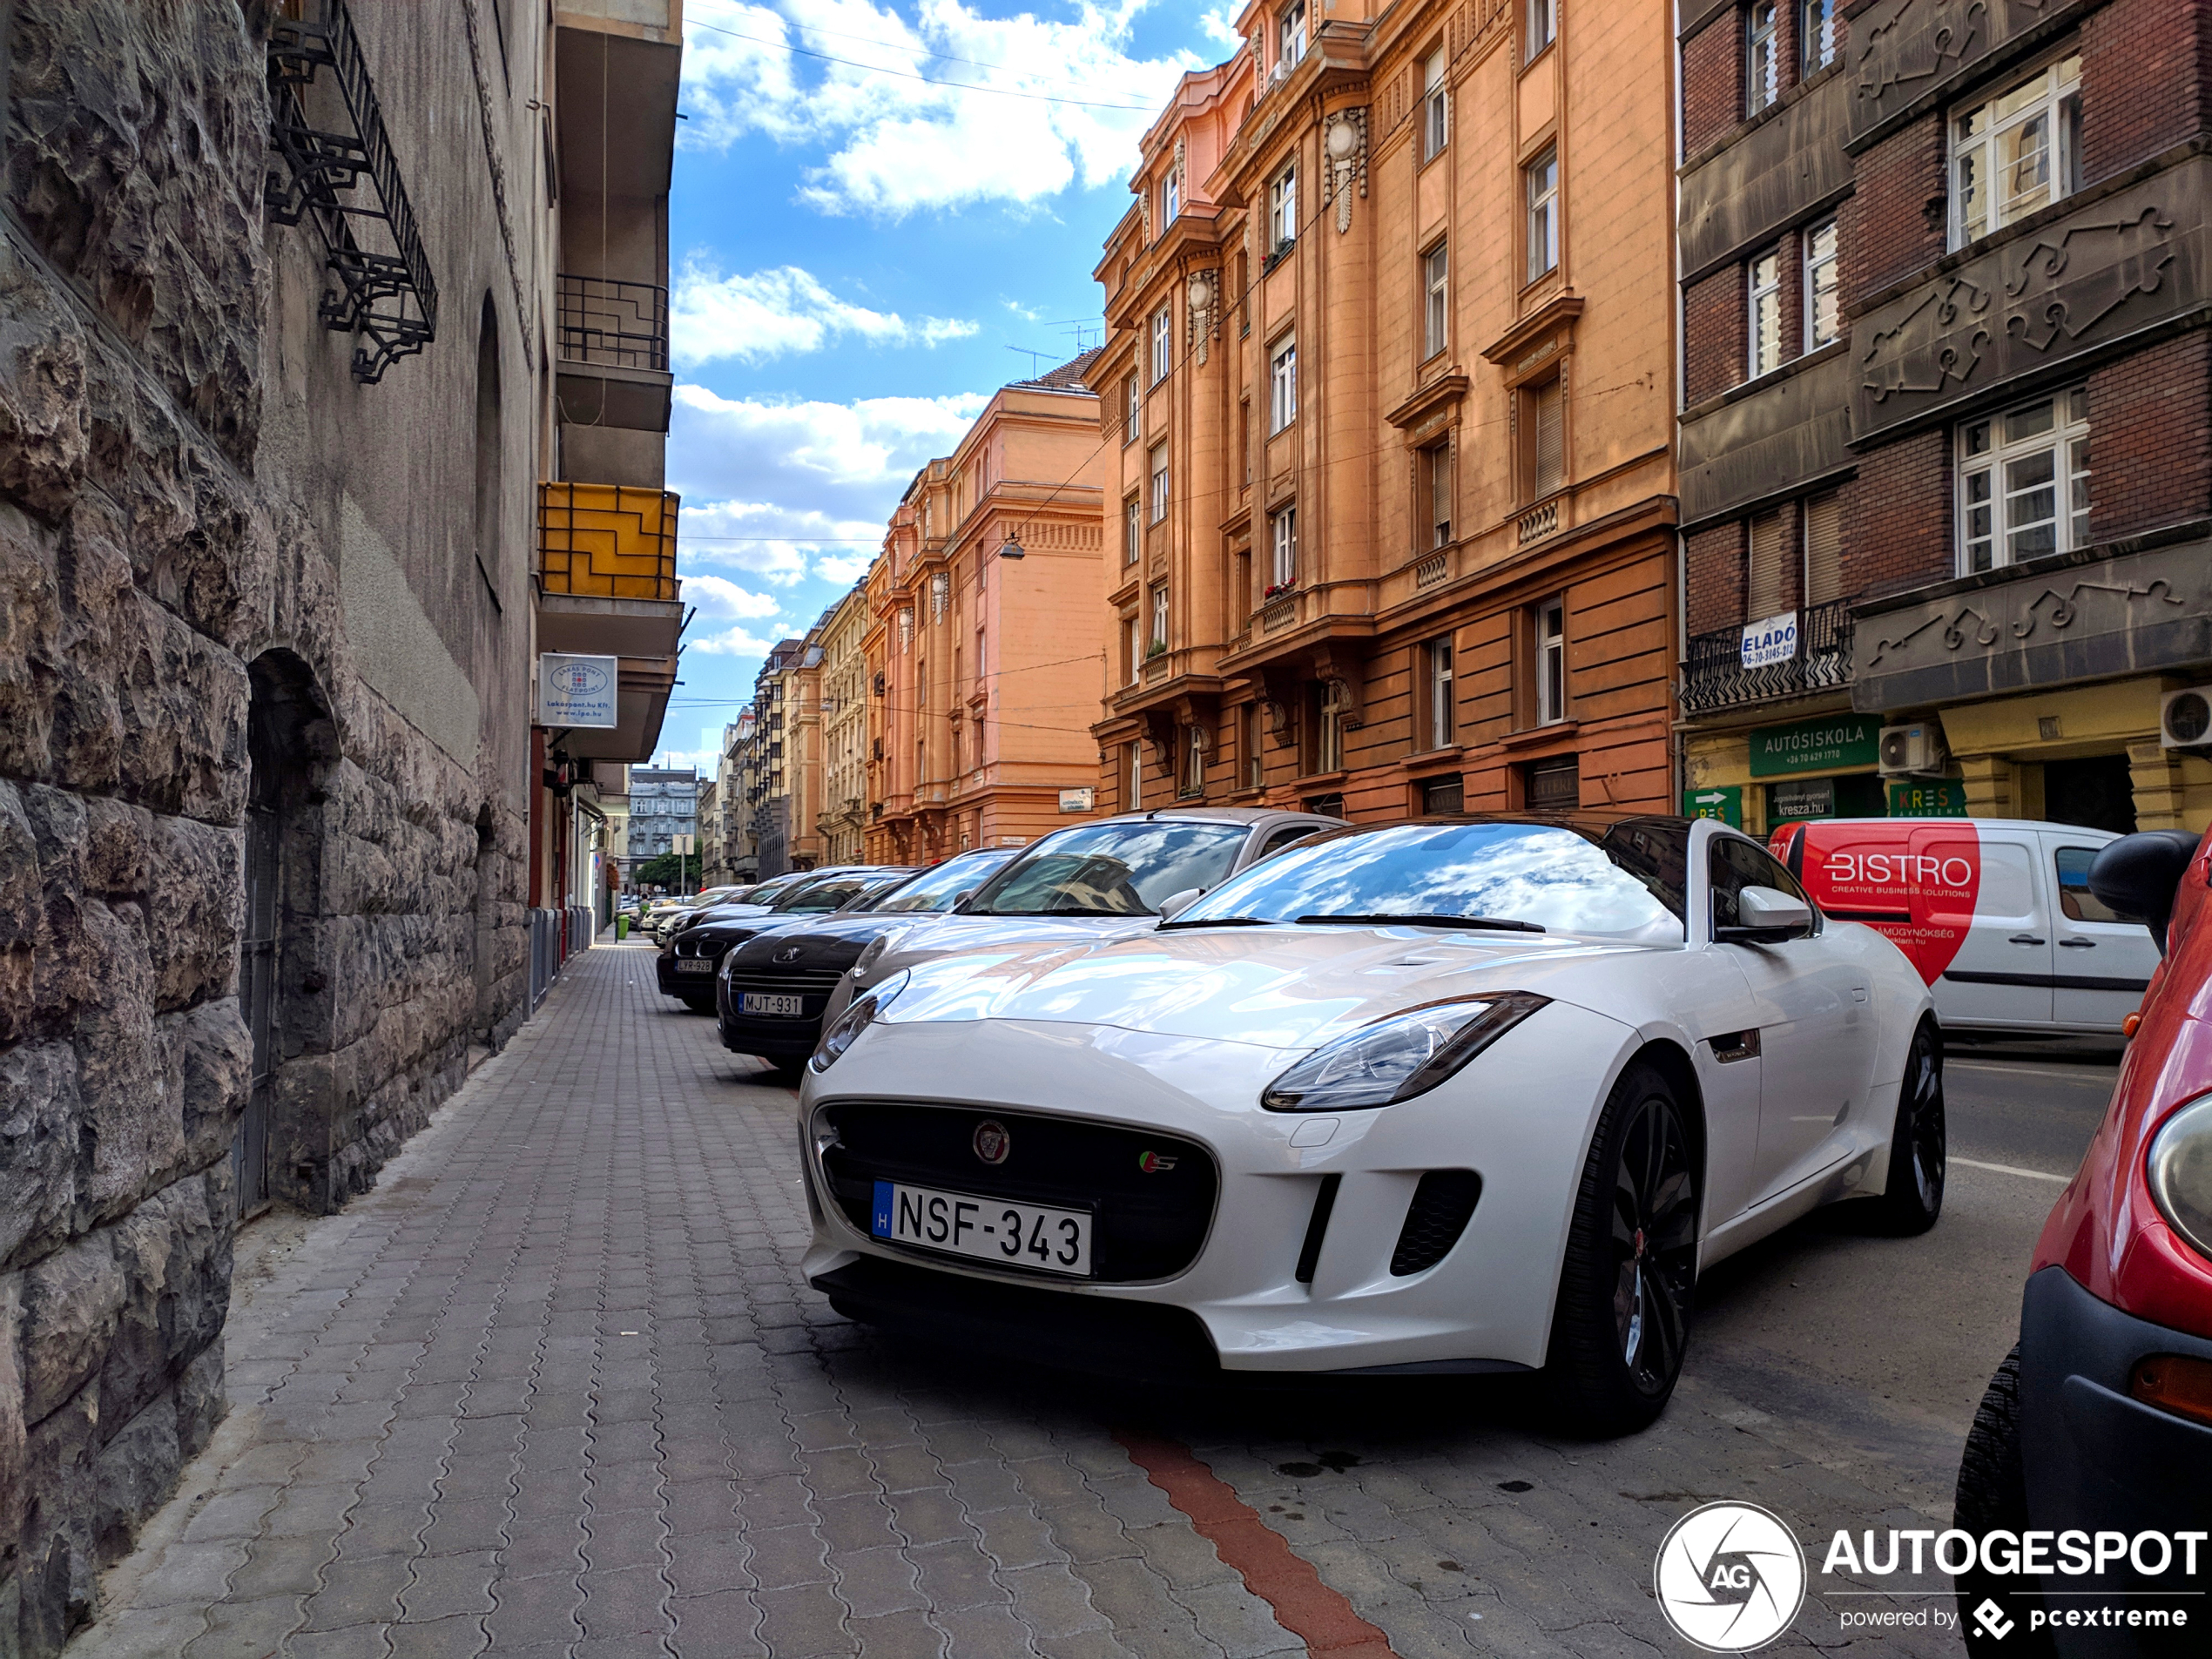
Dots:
pixel 1629 1279
pixel 1913 1197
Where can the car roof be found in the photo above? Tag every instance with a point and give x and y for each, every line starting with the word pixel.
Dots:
pixel 1246 815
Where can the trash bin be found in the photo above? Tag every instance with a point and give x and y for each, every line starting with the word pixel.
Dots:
pixel 622 928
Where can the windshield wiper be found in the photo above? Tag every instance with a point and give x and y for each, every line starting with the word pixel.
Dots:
pixel 1501 924
pixel 1217 921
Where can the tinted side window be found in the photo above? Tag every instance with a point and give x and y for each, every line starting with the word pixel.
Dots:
pixel 1283 838
pixel 1737 865
pixel 2074 897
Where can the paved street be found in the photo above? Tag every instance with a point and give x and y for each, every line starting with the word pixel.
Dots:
pixel 556 1387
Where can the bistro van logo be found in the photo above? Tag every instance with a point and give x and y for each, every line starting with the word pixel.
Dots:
pixel 1730 1577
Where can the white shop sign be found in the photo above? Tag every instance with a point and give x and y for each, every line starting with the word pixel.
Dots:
pixel 576 691
pixel 1773 640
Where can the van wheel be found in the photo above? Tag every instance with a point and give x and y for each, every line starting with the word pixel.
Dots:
pixel 1993 1495
pixel 1913 1197
pixel 1622 1320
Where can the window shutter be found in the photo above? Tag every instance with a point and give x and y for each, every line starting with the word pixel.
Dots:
pixel 1764 595
pixel 1824 549
pixel 1551 470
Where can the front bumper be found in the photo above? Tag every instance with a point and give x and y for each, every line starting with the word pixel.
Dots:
pixel 790 1039
pixel 1520 1117
pixel 2096 1460
pixel 673 983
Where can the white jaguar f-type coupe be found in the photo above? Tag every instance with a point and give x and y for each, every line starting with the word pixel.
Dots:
pixel 1459 1095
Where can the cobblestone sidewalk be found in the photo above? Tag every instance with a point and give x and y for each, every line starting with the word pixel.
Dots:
pixel 554 1387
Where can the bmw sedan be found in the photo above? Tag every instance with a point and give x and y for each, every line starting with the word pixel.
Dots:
pixel 1460 1096
pixel 691 959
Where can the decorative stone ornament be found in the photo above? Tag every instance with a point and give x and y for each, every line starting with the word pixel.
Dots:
pixel 1203 292
pixel 1344 143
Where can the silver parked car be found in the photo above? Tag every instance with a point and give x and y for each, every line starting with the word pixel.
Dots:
pixel 1092 882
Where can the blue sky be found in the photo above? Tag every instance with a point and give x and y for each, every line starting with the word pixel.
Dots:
pixel 854 246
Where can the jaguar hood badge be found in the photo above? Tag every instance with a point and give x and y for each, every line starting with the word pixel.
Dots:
pixel 991 1142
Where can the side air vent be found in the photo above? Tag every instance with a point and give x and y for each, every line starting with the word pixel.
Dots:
pixel 1309 1255
pixel 1442 1204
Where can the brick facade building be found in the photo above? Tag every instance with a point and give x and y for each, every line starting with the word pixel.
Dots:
pixel 1387 378
pixel 1946 448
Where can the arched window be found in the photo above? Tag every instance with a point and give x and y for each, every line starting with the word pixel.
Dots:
pixel 490 562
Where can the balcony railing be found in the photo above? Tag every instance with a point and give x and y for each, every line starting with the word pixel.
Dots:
pixel 607 541
pixel 621 325
pixel 1715 677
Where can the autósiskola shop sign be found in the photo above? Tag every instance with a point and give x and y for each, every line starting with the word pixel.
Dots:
pixel 1832 743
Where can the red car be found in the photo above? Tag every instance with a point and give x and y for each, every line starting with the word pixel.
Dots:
pixel 2100 1423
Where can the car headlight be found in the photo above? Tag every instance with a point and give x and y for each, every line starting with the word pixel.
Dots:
pixel 855 1020
pixel 871 954
pixel 2180 1168
pixel 1399 1057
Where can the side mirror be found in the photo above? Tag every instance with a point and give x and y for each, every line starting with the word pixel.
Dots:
pixel 1769 916
pixel 2138 876
pixel 962 898
pixel 1176 903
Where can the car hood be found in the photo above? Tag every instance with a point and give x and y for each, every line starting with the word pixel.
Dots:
pixel 1279 987
pixel 823 941
pixel 928 936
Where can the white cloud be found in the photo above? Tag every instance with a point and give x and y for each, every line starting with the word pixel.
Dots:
pixel 785 489
pixel 895 144
pixel 1219 25
pixel 785 309
pixel 717 597
pixel 734 642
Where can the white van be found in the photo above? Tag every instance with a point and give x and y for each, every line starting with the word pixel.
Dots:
pixel 1995 912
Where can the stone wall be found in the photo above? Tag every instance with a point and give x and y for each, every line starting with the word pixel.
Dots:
pixel 178 453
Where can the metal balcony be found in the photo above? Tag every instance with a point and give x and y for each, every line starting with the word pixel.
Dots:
pixel 1714 677
pixel 616 325
pixel 328 133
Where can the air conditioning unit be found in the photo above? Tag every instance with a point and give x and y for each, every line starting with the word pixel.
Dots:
pixel 2185 717
pixel 1907 749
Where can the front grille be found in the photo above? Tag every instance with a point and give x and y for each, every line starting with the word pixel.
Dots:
pixel 801 984
pixel 1442 1204
pixel 1150 1223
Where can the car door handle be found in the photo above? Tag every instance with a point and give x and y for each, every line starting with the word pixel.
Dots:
pixel 2077 944
pixel 2024 939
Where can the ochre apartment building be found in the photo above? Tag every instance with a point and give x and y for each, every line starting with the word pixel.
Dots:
pixel 986 597
pixel 1947 443
pixel 1387 387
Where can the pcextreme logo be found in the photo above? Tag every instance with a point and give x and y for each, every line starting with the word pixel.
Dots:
pixel 1730 1577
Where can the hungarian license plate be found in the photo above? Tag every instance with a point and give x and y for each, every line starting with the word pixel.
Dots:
pixel 695 964
pixel 991 1230
pixel 764 1002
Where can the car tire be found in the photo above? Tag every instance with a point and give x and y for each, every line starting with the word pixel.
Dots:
pixel 1913 1196
pixel 1629 1279
pixel 1992 1495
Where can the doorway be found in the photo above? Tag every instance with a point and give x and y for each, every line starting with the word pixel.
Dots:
pixel 2097 792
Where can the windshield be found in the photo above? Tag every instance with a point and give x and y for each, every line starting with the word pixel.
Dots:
pixel 774 888
pixel 936 890
pixel 831 892
pixel 1624 881
pixel 1123 867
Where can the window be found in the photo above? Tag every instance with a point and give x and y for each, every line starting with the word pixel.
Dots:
pixel 1248 747
pixel 1554 786
pixel 1133 632
pixel 2024 483
pixel 1443 796
pixel 1133 423
pixel 1551 661
pixel 1824 311
pixel 1764 593
pixel 941 594
pixel 1282 210
pixel 1244 435
pixel 1240 580
pixel 1136 776
pixel 1816 35
pixel 1765 293
pixel 1824 548
pixel 2075 900
pixel 1436 487
pixel 1763 71
pixel 1282 383
pixel 1543 213
pixel 1435 108
pixel 1170 197
pixel 2017 152
pixel 1436 315
pixel 1284 530
pixel 1290 34
pixel 1194 760
pixel 1438 653
pixel 1739 864
pixel 1158 470
pixel 1328 727
pixel 1545 408
pixel 1132 530
pixel 1159 620
pixel 1162 345
pixel 1543 24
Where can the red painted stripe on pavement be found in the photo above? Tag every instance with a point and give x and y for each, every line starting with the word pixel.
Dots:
pixel 1305 1607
